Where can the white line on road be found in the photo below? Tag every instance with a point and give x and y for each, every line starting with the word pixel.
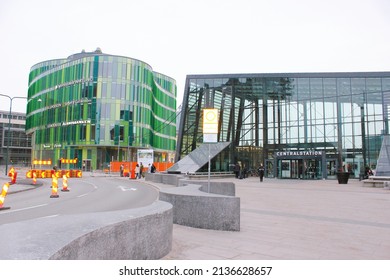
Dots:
pixel 51 216
pixel 81 195
pixel 126 188
pixel 22 209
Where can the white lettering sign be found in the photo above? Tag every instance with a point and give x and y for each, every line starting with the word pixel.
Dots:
pixel 299 153
pixel 71 83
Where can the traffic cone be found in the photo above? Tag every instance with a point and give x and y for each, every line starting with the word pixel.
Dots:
pixel 12 173
pixel 54 186
pixel 34 177
pixel 64 183
pixel 2 196
pixel 14 177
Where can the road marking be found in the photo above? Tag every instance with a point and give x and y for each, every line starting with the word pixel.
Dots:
pixel 81 195
pixel 22 209
pixel 127 188
pixel 51 216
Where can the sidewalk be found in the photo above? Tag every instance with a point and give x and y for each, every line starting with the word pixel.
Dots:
pixel 296 220
pixel 289 219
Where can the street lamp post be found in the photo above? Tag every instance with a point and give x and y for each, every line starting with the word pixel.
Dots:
pixel 9 127
pixel 119 145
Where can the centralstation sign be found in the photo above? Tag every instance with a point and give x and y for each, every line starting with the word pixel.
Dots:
pixel 306 153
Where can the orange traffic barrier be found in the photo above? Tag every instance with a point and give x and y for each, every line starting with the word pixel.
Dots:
pixel 34 177
pixel 64 183
pixel 3 194
pixel 13 174
pixel 54 186
pixel 46 173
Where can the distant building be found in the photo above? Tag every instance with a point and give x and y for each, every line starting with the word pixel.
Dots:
pixel 14 138
pixel 100 108
pixel 299 125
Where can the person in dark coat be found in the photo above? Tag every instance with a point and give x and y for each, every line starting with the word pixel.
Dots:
pixel 261 172
pixel 237 170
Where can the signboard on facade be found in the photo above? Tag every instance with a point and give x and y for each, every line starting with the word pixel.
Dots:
pixel 210 125
pixel 300 154
pixel 145 157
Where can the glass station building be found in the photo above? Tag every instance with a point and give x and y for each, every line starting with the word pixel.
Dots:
pixel 298 125
pixel 100 108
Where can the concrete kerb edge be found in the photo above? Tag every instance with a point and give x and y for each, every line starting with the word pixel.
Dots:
pixel 153 229
pixel 105 235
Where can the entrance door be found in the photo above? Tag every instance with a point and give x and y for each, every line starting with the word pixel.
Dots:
pixel 86 165
pixel 331 168
pixel 313 169
pixel 295 168
pixel 269 168
pixel 285 168
pixel 290 169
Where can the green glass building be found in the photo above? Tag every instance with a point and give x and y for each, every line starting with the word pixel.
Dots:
pixel 100 108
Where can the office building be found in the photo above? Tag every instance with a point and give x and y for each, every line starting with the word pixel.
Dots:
pixel 15 143
pixel 100 108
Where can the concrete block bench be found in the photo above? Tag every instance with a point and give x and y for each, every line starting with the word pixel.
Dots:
pixel 137 234
pixel 195 208
pixel 213 175
pixel 377 182
pixel 223 188
pixel 164 178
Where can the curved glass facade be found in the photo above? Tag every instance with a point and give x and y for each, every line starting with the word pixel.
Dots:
pixel 100 108
pixel 301 125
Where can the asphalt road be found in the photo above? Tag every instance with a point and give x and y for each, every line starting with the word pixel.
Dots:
pixel 86 195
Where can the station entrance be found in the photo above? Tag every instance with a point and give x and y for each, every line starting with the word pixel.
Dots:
pixel 309 165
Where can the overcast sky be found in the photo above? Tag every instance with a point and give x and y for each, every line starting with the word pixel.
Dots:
pixel 179 37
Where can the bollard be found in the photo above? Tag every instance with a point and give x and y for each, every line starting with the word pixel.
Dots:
pixel 3 195
pixel 64 183
pixel 34 177
pixel 54 186
pixel 12 173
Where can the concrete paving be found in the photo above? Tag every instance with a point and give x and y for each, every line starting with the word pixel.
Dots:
pixel 296 220
pixel 290 220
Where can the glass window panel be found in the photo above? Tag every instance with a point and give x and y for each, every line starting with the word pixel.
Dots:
pixel 330 87
pixel 303 88
pixel 316 88
pixel 373 84
pixel 386 84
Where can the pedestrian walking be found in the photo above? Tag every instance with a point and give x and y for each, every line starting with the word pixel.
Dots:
pixel 236 170
pixel 141 169
pixel 137 171
pixel 121 170
pixel 261 172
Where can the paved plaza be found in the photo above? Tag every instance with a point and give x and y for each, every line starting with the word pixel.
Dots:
pixel 296 220
pixel 291 220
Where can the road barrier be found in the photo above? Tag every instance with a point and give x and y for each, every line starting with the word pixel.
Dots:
pixel 34 177
pixel 3 195
pixel 64 183
pixel 12 174
pixel 54 186
pixel 46 173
